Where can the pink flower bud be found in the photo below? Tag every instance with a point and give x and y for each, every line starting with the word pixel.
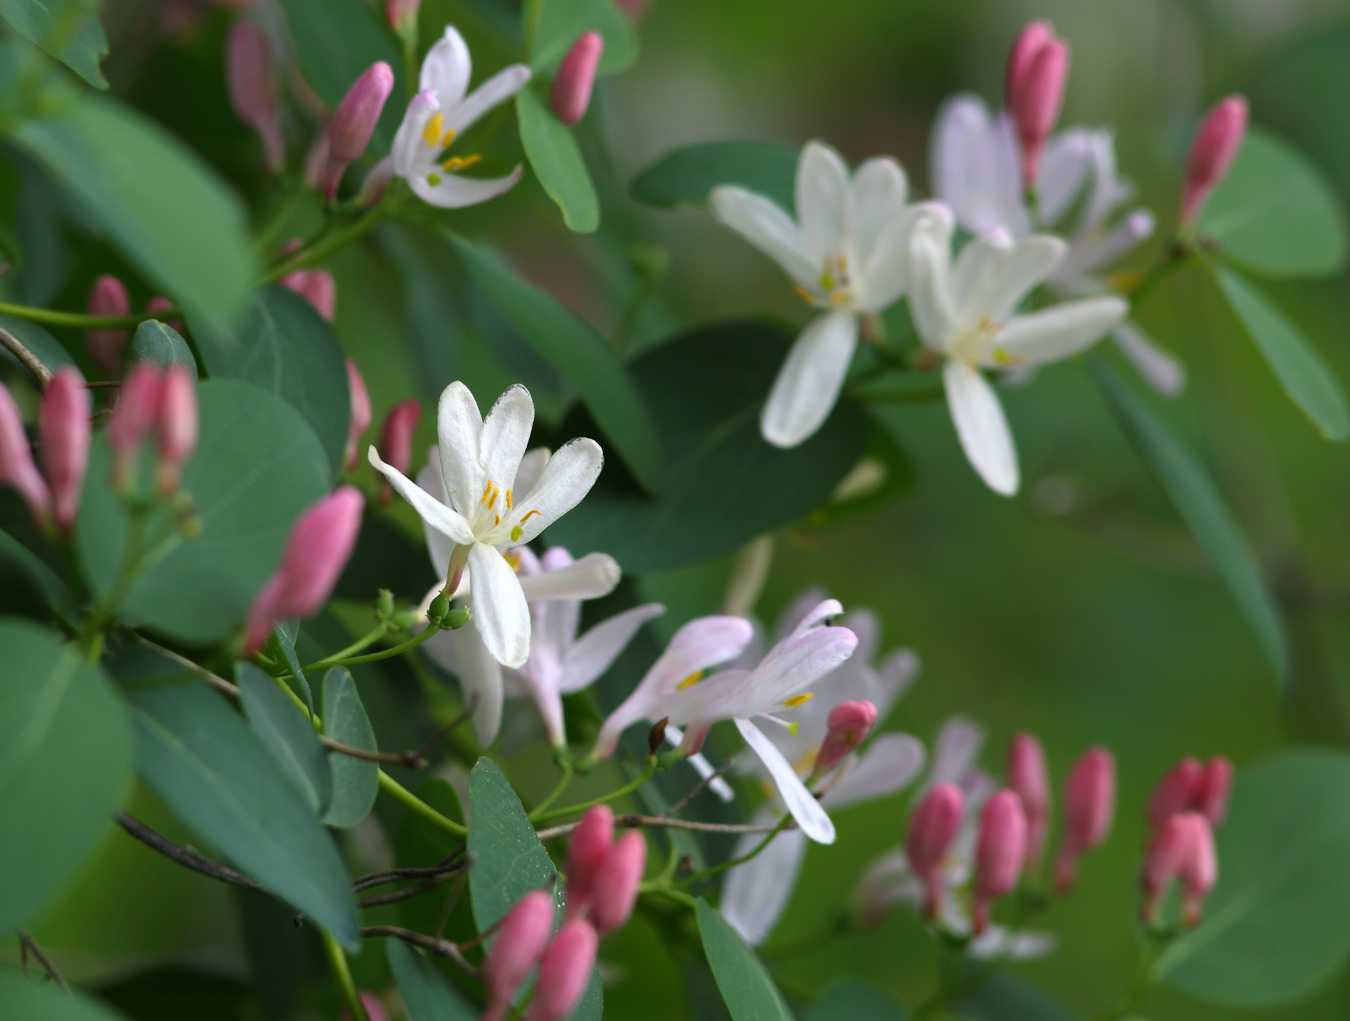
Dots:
pixel 849 724
pixel 402 14
pixel 108 298
pixel 585 855
pixel 635 9
pixel 63 428
pixel 999 852
pixel 1028 776
pixel 318 548
pixel 159 304
pixel 1035 98
pixel 1183 848
pixel 133 416
pixel 932 828
pixel 1211 796
pixel 1177 791
pixel 17 469
pixel 1212 153
pixel 1199 869
pixel 1089 806
pixel 576 78
pixel 251 73
pixel 354 122
pixel 1024 48
pixel 316 286
pixel 316 160
pixel 396 437
pixel 616 884
pixel 564 971
pixel 520 940
pixel 360 420
pixel 177 425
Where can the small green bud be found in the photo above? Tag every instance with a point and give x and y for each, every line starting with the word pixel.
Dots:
pixel 405 620
pixel 651 262
pixel 439 607
pixel 384 604
pixel 456 618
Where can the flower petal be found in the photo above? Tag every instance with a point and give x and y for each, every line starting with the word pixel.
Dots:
pixel 1064 168
pixel 822 198
pixel 598 648
pixel 955 751
pixel 796 613
pixel 884 273
pixel 463 654
pixel 564 482
pixel 493 92
pixel 410 154
pixel 506 433
pixel 499 607
pixel 446 68
pixel 755 894
pixel 1163 372
pixel 981 427
pixel 993 275
pixel 975 167
pixel 809 382
pixel 821 611
pixel 930 298
pixel 439 545
pixel 876 199
pixel 432 512
pixel 768 228
pixel 531 467
pixel 888 764
pixel 896 673
pixel 1060 331
pixel 811 818
pixel 451 191
pixel 592 577
pixel 458 428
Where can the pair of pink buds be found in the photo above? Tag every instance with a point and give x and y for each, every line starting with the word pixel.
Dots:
pixel 109 297
pixel 63 440
pixel 1187 806
pixel 162 401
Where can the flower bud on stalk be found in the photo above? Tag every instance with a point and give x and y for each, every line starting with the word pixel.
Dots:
pixel 133 416
pixel 1212 153
pixel 63 428
pixel 1089 806
pixel 616 884
pixel 520 940
pixel 1037 68
pixel 1028 776
pixel 1211 797
pixel 576 78
pixel 396 439
pixel 316 286
pixel 1199 870
pixel 848 724
pixel 999 853
pixel 159 304
pixel 251 74
pixel 1176 792
pixel 402 14
pixel 17 469
pixel 564 971
pixel 1183 848
pixel 177 425
pixel 360 417
pixel 932 829
pixel 585 856
pixel 353 123
pixel 318 548
pixel 1028 43
pixel 108 298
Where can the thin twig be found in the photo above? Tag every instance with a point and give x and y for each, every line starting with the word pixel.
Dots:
pixel 706 782
pixel 410 759
pixel 439 947
pixel 408 892
pixel 442 733
pixel 27 359
pixel 30 946
pixel 661 822
pixel 184 856
pixel 215 680
pixel 457 862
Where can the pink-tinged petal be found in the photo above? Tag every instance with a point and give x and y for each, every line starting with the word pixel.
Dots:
pixel 592 577
pixel 888 764
pixel 493 92
pixel 446 68
pixel 598 648
pixel 755 894
pixel 462 653
pixel 810 817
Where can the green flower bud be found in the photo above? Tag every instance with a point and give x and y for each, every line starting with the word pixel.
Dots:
pixel 384 604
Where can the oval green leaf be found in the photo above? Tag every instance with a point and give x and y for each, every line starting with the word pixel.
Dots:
pixel 1274 927
pixel 287 734
pixel 426 993
pixel 68 30
pixel 355 782
pixel 65 741
pixel 1202 508
pixel 47 348
pixel 1300 369
pixel 745 985
pixel 556 159
pixel 160 343
pixel 200 758
pixel 688 175
pixel 562 21
pixel 257 467
pixel 508 859
pixel 1275 213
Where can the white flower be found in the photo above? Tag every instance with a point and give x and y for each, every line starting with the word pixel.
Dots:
pixel 975 170
pixel 755 894
pixel 966 312
pixel 847 253
pixel 479 512
pixel 435 120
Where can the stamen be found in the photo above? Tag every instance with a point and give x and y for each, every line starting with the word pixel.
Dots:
pixel 518 531
pixel 804 294
pixel 799 700
pixel 431 133
pixel 840 297
pixel 508 499
pixel 455 163
pixel 487 490
pixel 690 681
pixel 450 135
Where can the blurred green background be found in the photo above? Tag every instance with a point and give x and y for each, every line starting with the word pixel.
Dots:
pixel 1081 611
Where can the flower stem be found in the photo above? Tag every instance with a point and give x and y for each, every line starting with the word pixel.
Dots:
pixel 563 782
pixel 400 793
pixel 754 852
pixel 344 976
pixel 361 643
pixel 329 242
pixel 78 320
pixel 619 792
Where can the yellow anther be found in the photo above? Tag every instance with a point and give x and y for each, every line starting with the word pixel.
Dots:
pixel 516 533
pixel 804 294
pixel 529 514
pixel 450 135
pixel 690 681
pixel 827 280
pixel 514 559
pixel 799 700
pixel 840 297
pixel 842 262
pixel 487 492
pixel 435 127
pixel 1006 358
pixel 793 727
pixel 455 163
pixel 508 499
pixel 434 180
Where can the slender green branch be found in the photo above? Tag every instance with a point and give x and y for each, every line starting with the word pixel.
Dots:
pixel 344 976
pixel 80 320
pixel 400 793
pixel 754 852
pixel 679 896
pixel 331 241
pixel 619 792
pixel 557 792
pixel 333 659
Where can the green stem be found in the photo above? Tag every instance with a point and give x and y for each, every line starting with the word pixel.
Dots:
pixel 79 320
pixel 754 852
pixel 1178 254
pixel 344 976
pixel 329 242
pixel 361 643
pixel 557 791
pixel 679 896
pixel 400 793
pixel 581 806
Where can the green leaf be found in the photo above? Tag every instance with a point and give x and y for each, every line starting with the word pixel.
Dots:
pixel 556 159
pixel 356 782
pixel 285 635
pixel 998 996
pixel 154 199
pixel 65 766
pixel 508 859
pixel 1276 213
pixel 201 759
pixel 26 997
pixel 419 843
pixel 68 30
pixel 691 173
pixel 856 1001
pixel 562 22
pixel 257 467
pixel 287 734
pixel 725 484
pixel 1300 369
pixel 1201 506
pixel 284 346
pixel 1274 927
pixel 579 353
pixel 426 993
pixel 160 343
pixel 745 985
pixel 47 348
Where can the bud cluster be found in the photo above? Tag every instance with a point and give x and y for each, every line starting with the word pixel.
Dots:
pixel 1188 805
pixel 52 495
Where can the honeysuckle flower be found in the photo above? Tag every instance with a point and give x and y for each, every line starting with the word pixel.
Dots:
pixel 966 312
pixel 479 512
pixel 436 117
pixel 847 254
pixel 975 169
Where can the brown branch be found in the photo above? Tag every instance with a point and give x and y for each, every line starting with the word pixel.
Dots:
pixel 661 822
pixel 28 945
pixel 457 862
pixel 706 782
pixel 215 680
pixel 439 947
pixel 408 892
pixel 26 358
pixel 184 856
pixel 410 759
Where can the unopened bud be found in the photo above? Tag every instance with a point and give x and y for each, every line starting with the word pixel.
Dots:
pixel 133 417
pixel 108 298
pixel 999 853
pixel 1199 869
pixel 438 609
pixel 360 417
pixel 1035 96
pixel 17 469
pixel 384 604
pixel 63 428
pixel 564 970
pixel 455 619
pixel 1028 776
pixel 1089 807
pixel 616 885
pixel 157 306
pixel 177 425
pixel 316 286
pixel 656 737
pixel 932 829
pixel 1028 43
pixel 1212 153
pixel 251 74
pixel 402 14
pixel 520 940
pixel 354 122
pixel 1176 792
pixel 396 438
pixel 1183 847
pixel 1211 796
pixel 373 1007
pixel 585 855
pixel 848 725
pixel 576 78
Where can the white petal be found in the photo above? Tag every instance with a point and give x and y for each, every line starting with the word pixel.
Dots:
pixel 1060 331
pixel 531 467
pixel 451 191
pixel 896 673
pixel 819 612
pixel 955 751
pixel 796 613
pixel 499 607
pixel 822 198
pixel 410 153
pixel 975 168
pixel 1163 372
pixel 889 763
pixel 982 429
pixel 809 382
pixel 755 894
pixel 434 513
pixel 564 482
pixel 866 626
pixel 599 647
pixel 446 68
pixel 439 545
pixel 463 654
pixel 458 428
pixel 506 433
pixel 493 92
pixel 991 278
pixel 884 275
pixel 592 577
pixel 812 819
pixel 768 228
pixel 876 200
pixel 1063 170
pixel 930 298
